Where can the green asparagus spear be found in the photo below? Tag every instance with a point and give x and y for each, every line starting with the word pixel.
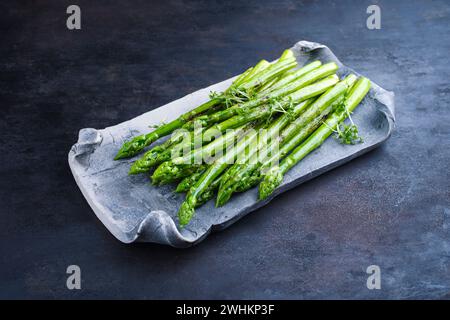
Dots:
pixel 322 103
pixel 271 133
pixel 209 192
pixel 149 158
pixel 235 94
pixel 176 173
pixel 203 153
pixel 193 197
pixel 247 175
pixel 159 154
pixel 155 155
pixel 287 61
pixel 168 172
pixel 180 142
pixel 189 181
pixel 266 86
pixel 291 77
pixel 269 84
pixel 254 82
pixel 261 112
pixel 317 110
pixel 307 79
pixel 273 178
pixel 187 208
pixel 164 152
pixel 240 78
pixel 134 146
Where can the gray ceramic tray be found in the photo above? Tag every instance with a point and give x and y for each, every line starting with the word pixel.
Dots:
pixel 134 210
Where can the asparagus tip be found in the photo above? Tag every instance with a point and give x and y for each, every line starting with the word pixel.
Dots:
pixel 129 148
pixel 271 181
pixel 180 188
pixel 224 195
pixel 135 168
pixel 185 213
pixel 120 155
pixel 160 173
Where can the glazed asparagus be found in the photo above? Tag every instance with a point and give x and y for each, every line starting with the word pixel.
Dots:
pixel 268 120
pixel 168 168
pixel 187 208
pixel 308 77
pixel 193 197
pixel 170 171
pixel 151 159
pixel 276 106
pixel 134 146
pixel 321 107
pixel 273 178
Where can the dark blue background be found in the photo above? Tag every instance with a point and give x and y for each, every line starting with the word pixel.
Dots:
pixel 390 207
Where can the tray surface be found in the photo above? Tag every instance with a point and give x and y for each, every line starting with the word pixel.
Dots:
pixel 134 210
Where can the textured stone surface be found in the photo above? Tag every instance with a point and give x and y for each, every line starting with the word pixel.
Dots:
pixel 390 207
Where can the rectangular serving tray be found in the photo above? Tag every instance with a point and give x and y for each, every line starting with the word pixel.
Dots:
pixel 134 210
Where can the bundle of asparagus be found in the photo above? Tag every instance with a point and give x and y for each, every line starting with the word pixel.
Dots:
pixel 271 117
